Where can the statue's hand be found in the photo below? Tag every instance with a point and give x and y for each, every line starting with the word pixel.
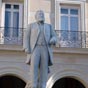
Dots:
pixel 27 51
pixel 52 41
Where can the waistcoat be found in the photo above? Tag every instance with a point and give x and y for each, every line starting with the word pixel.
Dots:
pixel 41 38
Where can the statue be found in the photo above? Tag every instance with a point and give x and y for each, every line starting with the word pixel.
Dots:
pixel 39 38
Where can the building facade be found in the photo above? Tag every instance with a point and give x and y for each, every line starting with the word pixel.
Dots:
pixel 70 20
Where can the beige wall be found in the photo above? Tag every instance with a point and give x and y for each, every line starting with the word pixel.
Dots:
pixel 67 62
pixel 39 4
pixel 13 1
pixel 35 5
pixel 86 16
pixel 0 15
pixel 86 22
pixel 53 12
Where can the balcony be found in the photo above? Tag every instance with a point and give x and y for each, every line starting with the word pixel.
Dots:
pixel 72 39
pixel 11 36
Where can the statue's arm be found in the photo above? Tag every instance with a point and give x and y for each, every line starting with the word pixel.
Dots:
pixel 27 39
pixel 53 39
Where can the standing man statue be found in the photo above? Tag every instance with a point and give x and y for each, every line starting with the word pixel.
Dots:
pixel 39 38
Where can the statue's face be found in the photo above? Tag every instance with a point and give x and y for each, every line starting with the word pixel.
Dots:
pixel 40 16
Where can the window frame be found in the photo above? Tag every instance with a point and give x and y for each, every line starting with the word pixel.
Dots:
pixel 3 18
pixel 57 13
pixel 80 3
pixel 12 10
pixel 70 15
pixel 20 15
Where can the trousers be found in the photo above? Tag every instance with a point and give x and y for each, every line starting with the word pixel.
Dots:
pixel 39 67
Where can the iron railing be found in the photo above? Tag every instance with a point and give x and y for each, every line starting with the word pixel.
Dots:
pixel 75 39
pixel 11 35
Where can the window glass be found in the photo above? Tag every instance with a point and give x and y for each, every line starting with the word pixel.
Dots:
pixel 64 11
pixel 11 20
pixel 74 28
pixel 16 6
pixel 74 23
pixel 74 11
pixel 69 23
pixel 64 22
pixel 7 23
pixel 15 23
pixel 64 27
pixel 69 19
pixel 8 6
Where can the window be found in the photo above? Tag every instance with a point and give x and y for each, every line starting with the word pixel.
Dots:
pixel 12 22
pixel 70 22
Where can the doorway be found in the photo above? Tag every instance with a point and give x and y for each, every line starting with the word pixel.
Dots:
pixel 11 82
pixel 68 83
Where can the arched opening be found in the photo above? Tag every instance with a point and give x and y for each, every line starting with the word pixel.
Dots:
pixel 11 82
pixel 68 83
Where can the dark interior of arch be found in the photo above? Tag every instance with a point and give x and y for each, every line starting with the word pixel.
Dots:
pixel 11 82
pixel 68 83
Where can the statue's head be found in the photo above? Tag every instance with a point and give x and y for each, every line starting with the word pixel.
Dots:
pixel 39 16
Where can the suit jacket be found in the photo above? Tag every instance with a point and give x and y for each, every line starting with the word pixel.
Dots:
pixel 31 37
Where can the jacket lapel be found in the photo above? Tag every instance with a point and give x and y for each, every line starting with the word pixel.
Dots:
pixel 45 31
pixel 37 29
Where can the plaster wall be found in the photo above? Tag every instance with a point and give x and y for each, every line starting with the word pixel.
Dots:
pixel 86 16
pixel 66 64
pixel 86 22
pixel 17 1
pixel 39 5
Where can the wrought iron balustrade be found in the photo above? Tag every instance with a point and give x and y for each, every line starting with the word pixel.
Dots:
pixel 75 39
pixel 11 35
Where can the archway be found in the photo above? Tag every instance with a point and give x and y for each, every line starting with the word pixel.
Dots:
pixel 9 81
pixel 68 82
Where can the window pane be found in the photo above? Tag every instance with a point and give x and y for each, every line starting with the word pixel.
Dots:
pixel 64 27
pixel 74 11
pixel 64 22
pixel 74 28
pixel 74 23
pixel 8 6
pixel 64 11
pixel 7 23
pixel 16 6
pixel 15 23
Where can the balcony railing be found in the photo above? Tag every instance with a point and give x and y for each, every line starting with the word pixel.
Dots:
pixel 75 39
pixel 11 35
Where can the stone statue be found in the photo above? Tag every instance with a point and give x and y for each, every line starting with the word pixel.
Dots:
pixel 39 38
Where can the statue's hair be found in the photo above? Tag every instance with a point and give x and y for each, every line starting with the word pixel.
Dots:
pixel 38 11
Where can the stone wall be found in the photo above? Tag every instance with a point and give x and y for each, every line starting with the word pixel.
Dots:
pixel 18 1
pixel 35 5
pixel 86 22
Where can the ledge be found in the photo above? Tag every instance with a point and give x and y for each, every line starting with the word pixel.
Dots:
pixel 11 47
pixel 56 50
pixel 72 0
pixel 70 50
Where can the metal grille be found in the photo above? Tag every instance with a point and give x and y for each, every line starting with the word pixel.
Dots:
pixel 75 39
pixel 11 37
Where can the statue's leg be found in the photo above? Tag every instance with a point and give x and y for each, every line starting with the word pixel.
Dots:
pixel 43 67
pixel 35 58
